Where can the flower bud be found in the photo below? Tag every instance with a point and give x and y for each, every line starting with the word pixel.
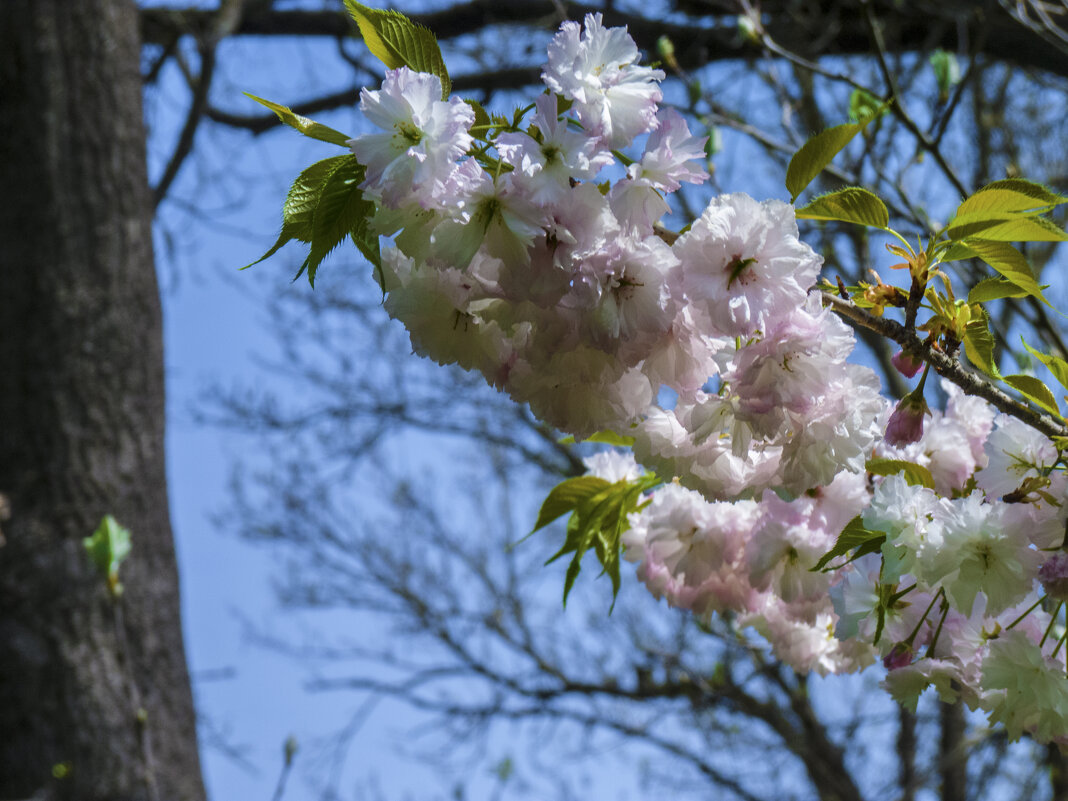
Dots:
pixel 906 423
pixel 906 364
pixel 900 656
pixel 1054 576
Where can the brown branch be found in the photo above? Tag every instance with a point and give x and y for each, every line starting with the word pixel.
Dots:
pixel 945 366
pixel 696 44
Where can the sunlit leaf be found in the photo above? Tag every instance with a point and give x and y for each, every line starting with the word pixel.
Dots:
pixel 1034 390
pixel 994 289
pixel 1056 365
pixel 853 537
pixel 916 475
pixel 307 127
pixel 979 345
pixel 852 204
pixel 396 41
pixel 817 153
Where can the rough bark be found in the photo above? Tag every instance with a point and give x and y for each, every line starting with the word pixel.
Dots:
pixel 95 700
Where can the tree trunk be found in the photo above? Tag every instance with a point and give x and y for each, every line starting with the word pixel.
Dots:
pixel 95 700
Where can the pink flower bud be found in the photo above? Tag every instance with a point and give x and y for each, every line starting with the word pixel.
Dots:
pixel 906 423
pixel 906 364
pixel 900 656
pixel 1054 576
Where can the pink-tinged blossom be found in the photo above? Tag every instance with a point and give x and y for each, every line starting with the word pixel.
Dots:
pixel 581 391
pixel 440 310
pixel 783 377
pixel 785 547
pixel 498 218
pixel 615 99
pixel 743 265
pixel 689 550
pixel 979 554
pixel 806 645
pixel 1026 690
pixel 684 357
pixel 908 515
pixel 638 201
pixel 631 303
pixel 669 155
pixel 837 434
pixel 424 136
pixel 907 683
pixel 544 167
pixel 1015 452
pixel 906 364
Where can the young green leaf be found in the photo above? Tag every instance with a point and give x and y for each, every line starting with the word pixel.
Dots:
pixel 598 520
pixel 396 41
pixel 817 153
pixel 852 204
pixel 1009 196
pixel 300 203
pixel 1006 228
pixel 108 547
pixel 307 127
pixel 994 289
pixel 567 496
pixel 341 210
pixel 979 345
pixel 1056 365
pixel 1034 390
pixel 947 72
pixel 1004 258
pixel 853 536
pixel 916 475
pixel 864 106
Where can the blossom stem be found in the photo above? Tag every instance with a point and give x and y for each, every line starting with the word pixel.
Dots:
pixel 1028 611
pixel 1049 628
pixel 915 631
pixel 1057 647
pixel 938 631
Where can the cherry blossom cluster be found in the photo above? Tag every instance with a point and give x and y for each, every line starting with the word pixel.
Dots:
pixel 532 251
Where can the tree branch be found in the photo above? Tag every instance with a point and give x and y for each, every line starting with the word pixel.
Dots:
pixel 945 366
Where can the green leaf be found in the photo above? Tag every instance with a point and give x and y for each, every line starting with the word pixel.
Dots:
pixel 817 153
pixel 1010 196
pixel 1055 364
pixel 566 497
pixel 341 211
pixel 307 127
pixel 853 536
pixel 602 438
pixel 481 127
pixel 947 72
pixel 916 475
pixel 299 206
pixel 1005 228
pixel 108 547
pixel 863 105
pixel 852 204
pixel 979 345
pixel 398 42
pixel 598 521
pixel 995 289
pixel 1004 258
pixel 1034 390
